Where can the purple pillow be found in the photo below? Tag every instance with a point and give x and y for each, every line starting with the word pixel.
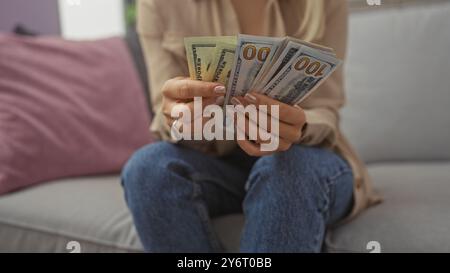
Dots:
pixel 67 109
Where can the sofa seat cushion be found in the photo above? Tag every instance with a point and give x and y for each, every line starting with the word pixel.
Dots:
pixel 89 210
pixel 414 217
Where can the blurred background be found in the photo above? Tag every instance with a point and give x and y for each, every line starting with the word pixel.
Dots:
pixel 73 19
pixel 88 19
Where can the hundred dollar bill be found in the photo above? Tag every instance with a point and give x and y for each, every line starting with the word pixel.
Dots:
pixel 222 63
pixel 251 54
pixel 287 54
pixel 200 53
pixel 268 64
pixel 305 72
pixel 321 48
pixel 289 49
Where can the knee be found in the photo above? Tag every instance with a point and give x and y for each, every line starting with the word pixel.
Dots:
pixel 145 172
pixel 298 171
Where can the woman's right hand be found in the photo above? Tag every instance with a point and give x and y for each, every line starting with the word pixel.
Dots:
pixel 182 90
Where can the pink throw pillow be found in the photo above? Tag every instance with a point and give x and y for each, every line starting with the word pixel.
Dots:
pixel 67 109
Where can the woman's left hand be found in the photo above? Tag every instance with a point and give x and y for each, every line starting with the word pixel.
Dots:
pixel 291 123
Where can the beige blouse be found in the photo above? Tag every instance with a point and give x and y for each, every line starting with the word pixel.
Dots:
pixel 162 25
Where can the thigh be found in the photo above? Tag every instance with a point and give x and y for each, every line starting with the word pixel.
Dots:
pixel 303 175
pixel 219 182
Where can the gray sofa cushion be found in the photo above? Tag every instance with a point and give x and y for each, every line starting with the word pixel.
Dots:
pixel 90 210
pixel 414 217
pixel 45 218
pixel 398 83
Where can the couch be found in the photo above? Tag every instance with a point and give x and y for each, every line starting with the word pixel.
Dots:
pixel 398 89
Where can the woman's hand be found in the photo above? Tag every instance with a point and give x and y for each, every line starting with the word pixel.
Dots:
pixel 181 91
pixel 291 123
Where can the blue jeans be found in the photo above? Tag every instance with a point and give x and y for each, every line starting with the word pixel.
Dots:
pixel 288 198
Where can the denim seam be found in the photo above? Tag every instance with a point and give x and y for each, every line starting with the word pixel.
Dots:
pixel 324 210
pixel 204 218
pixel 332 180
pixel 339 174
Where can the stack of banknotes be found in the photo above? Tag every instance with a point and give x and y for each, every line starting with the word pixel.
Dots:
pixel 286 69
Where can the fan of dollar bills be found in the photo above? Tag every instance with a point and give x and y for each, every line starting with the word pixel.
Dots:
pixel 286 69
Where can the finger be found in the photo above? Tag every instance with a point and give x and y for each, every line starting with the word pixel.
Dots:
pixel 220 100
pixel 196 120
pixel 286 131
pixel 283 144
pixel 196 126
pixel 195 113
pixel 175 128
pixel 187 106
pixel 287 113
pixel 187 89
pixel 252 132
pixel 166 109
pixel 181 125
pixel 169 120
pixel 252 149
pixel 240 101
pixel 168 105
pixel 289 132
pixel 248 130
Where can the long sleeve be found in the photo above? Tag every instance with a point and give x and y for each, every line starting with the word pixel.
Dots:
pixel 162 25
pixel 161 63
pixel 164 52
pixel 322 107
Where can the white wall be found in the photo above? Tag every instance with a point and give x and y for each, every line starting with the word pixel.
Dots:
pixel 91 19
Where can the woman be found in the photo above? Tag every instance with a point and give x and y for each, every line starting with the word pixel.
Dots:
pixel 290 196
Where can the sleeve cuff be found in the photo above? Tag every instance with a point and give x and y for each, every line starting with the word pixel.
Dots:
pixel 321 128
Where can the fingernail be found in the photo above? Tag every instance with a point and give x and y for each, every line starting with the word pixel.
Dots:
pixel 220 100
pixel 298 107
pixel 219 89
pixel 235 101
pixel 250 98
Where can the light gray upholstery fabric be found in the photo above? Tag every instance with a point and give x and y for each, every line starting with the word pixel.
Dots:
pixel 414 217
pixel 89 210
pixel 398 83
